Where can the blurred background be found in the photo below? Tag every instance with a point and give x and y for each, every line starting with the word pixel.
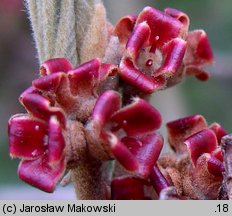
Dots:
pixel 19 66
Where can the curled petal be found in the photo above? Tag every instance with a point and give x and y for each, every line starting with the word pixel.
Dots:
pixel 85 72
pixel 136 78
pixel 122 153
pixel 217 153
pixel 41 107
pixel 127 188
pixel 30 90
pixel 56 142
pixel 206 184
pixel 180 129
pixel 49 83
pixel 157 179
pixel 202 142
pixel 218 130
pixel 85 77
pixel 55 65
pixel 26 136
pixel 137 118
pixel 215 166
pixel 107 104
pixel 39 174
pixel 200 74
pixel 162 25
pixel 146 150
pixel 199 51
pixel 174 52
pixel 124 27
pixel 179 15
pixel 139 38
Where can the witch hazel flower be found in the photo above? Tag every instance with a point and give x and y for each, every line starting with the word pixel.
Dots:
pixel 125 133
pixel 199 156
pixel 158 50
pixel 40 145
pixel 51 136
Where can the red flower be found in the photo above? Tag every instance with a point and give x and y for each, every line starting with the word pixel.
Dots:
pixel 192 136
pixel 58 104
pixel 159 50
pixel 126 134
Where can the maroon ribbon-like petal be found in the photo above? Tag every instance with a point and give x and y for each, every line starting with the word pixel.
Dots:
pixel 127 188
pixel 55 65
pixel 40 174
pixel 202 142
pixel 26 136
pixel 137 118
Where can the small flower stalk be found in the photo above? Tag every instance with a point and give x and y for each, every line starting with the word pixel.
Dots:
pixel 93 120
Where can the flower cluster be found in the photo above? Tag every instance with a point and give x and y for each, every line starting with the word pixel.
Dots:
pixel 51 136
pixel 98 112
pixel 158 50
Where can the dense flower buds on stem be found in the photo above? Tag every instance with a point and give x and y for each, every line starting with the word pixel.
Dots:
pixel 81 118
pixel 159 50
pixel 43 137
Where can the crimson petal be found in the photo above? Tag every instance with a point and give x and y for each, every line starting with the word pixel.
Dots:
pixel 200 74
pixel 41 107
pixel 49 83
pixel 146 150
pixel 138 39
pixel 137 118
pixel 107 104
pixel 206 184
pixel 157 179
pixel 122 153
pixel 174 52
pixel 161 24
pixel 215 166
pixel 39 174
pixel 127 188
pixel 124 27
pixel 136 78
pixel 199 52
pixel 202 142
pixel 55 65
pixel 179 15
pixel 56 142
pixel 107 70
pixel 85 71
pixel 26 136
pixel 217 153
pixel 218 130
pixel 180 129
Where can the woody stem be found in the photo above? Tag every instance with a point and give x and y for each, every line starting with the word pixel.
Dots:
pixel 89 180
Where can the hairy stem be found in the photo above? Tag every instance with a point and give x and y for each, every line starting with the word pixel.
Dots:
pixel 88 180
